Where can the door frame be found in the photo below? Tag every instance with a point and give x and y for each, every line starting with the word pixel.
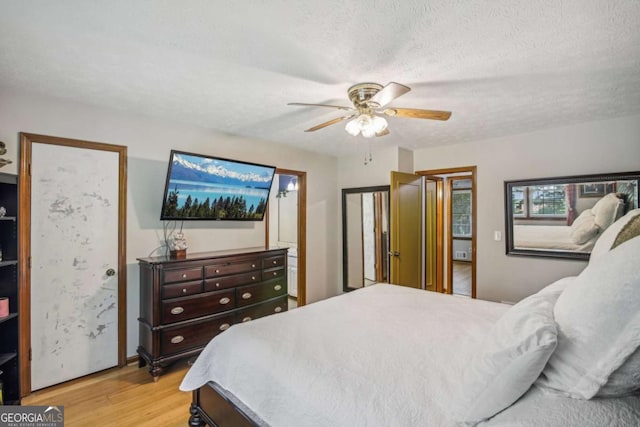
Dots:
pixel 472 172
pixel 439 230
pixel 24 250
pixel 302 231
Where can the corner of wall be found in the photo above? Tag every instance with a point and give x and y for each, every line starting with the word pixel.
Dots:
pixel 405 160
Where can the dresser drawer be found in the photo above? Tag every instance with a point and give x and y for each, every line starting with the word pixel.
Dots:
pixel 181 289
pixel 273 273
pixel 185 308
pixel 273 261
pixel 252 294
pixel 222 269
pixel 215 284
pixel 276 306
pixel 181 274
pixel 179 338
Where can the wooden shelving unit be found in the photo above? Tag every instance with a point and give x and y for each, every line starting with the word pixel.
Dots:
pixel 9 334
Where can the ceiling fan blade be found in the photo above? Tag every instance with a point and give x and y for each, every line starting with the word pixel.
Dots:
pixel 339 107
pixel 329 123
pixel 383 133
pixel 415 113
pixel 388 93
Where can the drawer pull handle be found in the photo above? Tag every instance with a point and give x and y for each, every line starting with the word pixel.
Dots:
pixel 177 310
pixel 184 275
pixel 246 295
pixel 253 277
pixel 275 273
pixel 184 290
pixel 277 309
pixel 217 285
pixel 224 326
pixel 246 319
pixel 177 339
pixel 217 271
pixel 253 266
pixel 277 287
pixel 275 262
pixel 225 300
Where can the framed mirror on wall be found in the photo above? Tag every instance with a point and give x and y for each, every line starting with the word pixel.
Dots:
pixel 563 217
pixel 365 236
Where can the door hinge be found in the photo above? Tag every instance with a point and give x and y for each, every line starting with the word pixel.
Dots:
pixel 30 355
pixel 29 263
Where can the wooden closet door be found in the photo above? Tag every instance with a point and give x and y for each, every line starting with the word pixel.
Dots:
pixel 75 263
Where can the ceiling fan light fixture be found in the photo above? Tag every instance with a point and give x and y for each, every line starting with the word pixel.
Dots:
pixel 366 124
pixel 368 132
pixel 352 127
pixel 378 124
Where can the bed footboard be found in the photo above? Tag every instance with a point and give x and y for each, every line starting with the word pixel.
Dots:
pixel 210 408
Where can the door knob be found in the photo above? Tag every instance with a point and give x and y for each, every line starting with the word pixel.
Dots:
pixel 111 272
pixel 394 253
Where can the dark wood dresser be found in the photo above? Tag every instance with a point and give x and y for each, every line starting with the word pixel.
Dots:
pixel 186 302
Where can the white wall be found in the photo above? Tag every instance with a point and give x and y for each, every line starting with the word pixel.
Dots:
pixel 595 147
pixel 149 142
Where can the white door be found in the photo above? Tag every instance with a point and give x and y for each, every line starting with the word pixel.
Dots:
pixel 74 262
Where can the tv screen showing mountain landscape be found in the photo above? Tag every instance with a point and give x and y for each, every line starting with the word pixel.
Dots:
pixel 209 188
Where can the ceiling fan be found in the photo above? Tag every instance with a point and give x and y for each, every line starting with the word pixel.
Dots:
pixel 369 100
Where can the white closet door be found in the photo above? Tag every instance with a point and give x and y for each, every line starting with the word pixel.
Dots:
pixel 74 262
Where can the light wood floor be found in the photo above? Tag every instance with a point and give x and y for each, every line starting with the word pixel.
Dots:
pixel 462 278
pixel 120 397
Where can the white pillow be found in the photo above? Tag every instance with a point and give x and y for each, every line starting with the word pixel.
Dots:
pixel 625 380
pixel 607 210
pixel 606 239
pixel 584 228
pixel 598 323
pixel 510 359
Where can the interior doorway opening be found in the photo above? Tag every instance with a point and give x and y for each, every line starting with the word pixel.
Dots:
pixel 286 227
pixel 450 231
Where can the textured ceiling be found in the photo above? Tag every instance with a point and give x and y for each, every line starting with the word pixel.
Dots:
pixel 501 67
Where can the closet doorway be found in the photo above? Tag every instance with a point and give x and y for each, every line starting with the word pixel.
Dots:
pixel 72 259
pixel 286 225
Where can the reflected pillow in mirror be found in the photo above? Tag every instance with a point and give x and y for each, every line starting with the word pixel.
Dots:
pixel 607 210
pixel 584 228
pixel 609 236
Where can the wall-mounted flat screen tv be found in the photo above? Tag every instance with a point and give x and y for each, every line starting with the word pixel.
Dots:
pixel 200 187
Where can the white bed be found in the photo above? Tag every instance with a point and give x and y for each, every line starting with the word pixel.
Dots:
pixel 579 237
pixel 548 237
pixel 386 355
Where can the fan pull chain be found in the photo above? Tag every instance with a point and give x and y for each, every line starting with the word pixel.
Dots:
pixel 370 157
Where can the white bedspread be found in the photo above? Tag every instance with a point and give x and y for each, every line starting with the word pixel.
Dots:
pixel 548 237
pixel 380 356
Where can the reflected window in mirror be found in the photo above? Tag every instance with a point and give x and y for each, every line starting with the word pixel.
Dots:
pixel 564 217
pixel 365 236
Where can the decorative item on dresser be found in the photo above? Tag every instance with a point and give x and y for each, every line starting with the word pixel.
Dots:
pixel 185 302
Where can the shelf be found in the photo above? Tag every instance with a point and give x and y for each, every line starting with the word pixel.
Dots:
pixel 6 357
pixel 10 262
pixel 10 316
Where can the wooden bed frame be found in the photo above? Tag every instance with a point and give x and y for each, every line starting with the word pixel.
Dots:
pixel 209 407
